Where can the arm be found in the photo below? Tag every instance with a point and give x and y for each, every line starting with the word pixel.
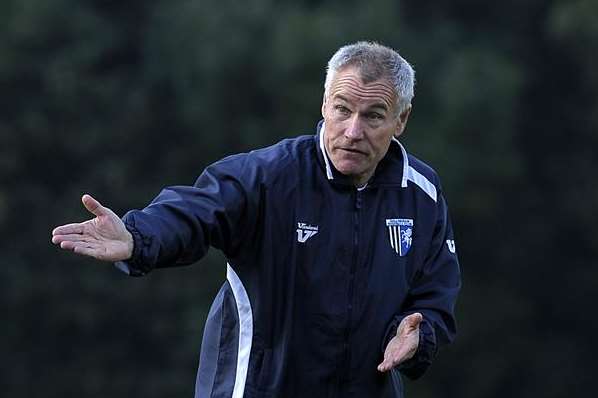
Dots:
pixel 180 224
pixel 427 318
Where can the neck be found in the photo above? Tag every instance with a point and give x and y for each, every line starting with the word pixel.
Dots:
pixel 361 181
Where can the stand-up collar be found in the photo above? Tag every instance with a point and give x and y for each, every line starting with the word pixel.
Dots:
pixel 391 170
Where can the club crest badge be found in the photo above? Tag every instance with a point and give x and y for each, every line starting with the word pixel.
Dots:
pixel 400 233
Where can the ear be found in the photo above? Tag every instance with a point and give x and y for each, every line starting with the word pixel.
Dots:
pixel 323 105
pixel 402 121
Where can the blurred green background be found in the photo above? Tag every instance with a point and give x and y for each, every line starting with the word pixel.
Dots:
pixel 121 98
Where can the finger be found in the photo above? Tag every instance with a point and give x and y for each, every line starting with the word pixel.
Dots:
pixel 93 206
pixel 70 245
pixel 76 228
pixel 384 366
pixel 57 239
pixel 392 360
pixel 389 360
pixel 412 321
pixel 388 364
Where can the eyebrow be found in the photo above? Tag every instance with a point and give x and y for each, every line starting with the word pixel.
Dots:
pixel 377 105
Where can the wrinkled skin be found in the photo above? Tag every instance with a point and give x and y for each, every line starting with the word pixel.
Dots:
pixel 360 121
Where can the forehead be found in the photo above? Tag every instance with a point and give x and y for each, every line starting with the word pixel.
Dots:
pixel 348 85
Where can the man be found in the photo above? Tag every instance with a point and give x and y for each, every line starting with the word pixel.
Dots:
pixel 341 260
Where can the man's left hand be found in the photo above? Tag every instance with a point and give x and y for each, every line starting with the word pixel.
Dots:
pixel 404 345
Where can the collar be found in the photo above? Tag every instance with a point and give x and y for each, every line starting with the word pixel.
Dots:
pixel 391 171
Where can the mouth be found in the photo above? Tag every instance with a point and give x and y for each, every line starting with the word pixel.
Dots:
pixel 353 150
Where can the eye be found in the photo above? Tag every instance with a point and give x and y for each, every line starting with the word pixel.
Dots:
pixel 342 109
pixel 375 116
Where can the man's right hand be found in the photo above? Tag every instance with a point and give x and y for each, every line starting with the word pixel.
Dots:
pixel 103 237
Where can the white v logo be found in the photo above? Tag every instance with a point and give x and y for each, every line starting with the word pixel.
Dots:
pixel 304 235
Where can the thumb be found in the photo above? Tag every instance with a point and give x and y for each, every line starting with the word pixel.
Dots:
pixel 412 321
pixel 93 206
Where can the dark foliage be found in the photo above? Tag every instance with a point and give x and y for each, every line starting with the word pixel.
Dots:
pixel 122 98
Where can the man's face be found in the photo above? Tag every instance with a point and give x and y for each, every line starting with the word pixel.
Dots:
pixel 361 120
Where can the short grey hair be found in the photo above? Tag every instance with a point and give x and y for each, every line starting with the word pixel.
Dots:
pixel 375 62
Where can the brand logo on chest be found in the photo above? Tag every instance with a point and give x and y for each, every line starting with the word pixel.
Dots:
pixel 400 234
pixel 305 231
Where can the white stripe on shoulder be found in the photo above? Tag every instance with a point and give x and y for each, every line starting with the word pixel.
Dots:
pixel 421 181
pixel 245 330
pixel 410 174
pixel 405 163
pixel 324 154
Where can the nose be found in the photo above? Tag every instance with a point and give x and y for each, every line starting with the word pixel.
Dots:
pixel 354 130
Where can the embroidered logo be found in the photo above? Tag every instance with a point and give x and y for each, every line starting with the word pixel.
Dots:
pixel 400 233
pixel 305 231
pixel 451 246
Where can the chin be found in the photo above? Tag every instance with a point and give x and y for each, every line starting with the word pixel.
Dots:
pixel 349 169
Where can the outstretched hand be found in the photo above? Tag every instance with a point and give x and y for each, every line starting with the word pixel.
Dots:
pixel 103 237
pixel 404 345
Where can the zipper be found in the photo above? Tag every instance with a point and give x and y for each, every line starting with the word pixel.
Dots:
pixel 355 244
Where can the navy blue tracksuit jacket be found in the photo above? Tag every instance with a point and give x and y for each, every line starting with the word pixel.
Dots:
pixel 319 274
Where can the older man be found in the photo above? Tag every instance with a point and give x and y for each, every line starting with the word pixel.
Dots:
pixel 342 269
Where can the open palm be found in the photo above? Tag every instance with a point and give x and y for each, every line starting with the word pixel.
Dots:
pixel 103 237
pixel 404 344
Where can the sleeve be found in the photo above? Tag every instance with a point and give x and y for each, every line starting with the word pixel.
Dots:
pixel 182 222
pixel 433 294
